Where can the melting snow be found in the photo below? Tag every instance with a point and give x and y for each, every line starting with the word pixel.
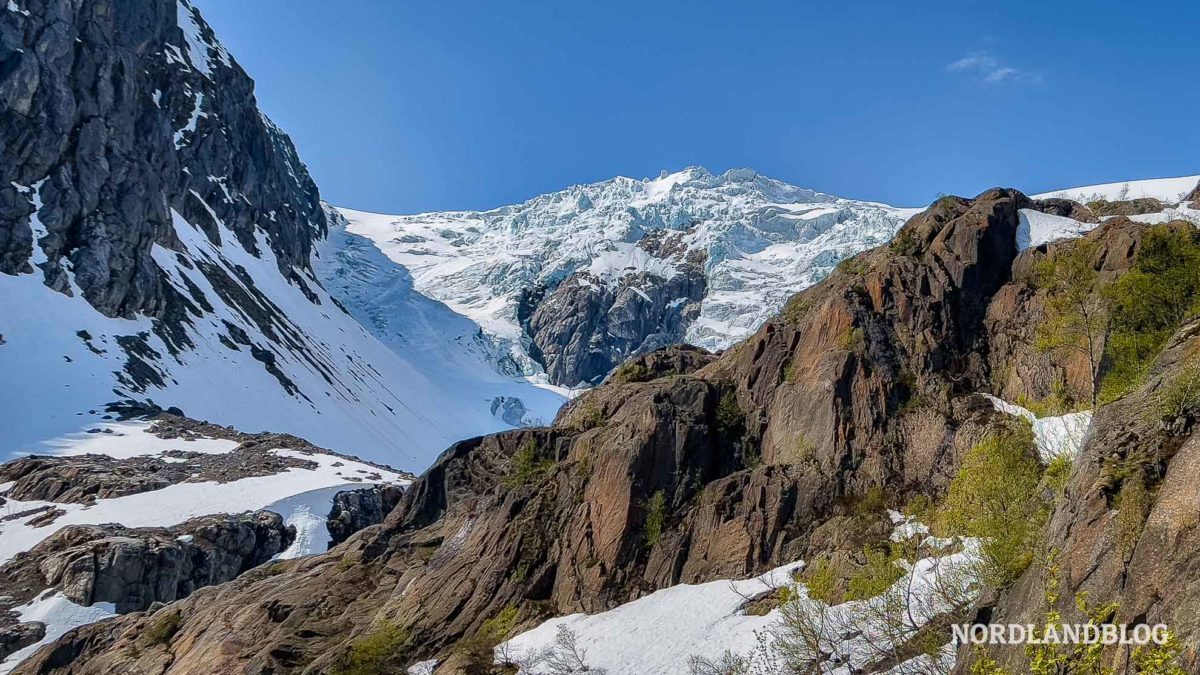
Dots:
pixel 1036 228
pixel 59 615
pixel 1055 436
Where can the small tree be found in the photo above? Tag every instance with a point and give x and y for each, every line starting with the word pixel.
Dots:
pixel 1077 311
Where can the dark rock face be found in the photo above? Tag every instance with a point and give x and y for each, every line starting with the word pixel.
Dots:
pixel 16 636
pixel 110 117
pixel 587 325
pixel 585 328
pixel 136 567
pixel 354 510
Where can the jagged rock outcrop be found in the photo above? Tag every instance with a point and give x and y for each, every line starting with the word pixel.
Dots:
pixel 354 510
pixel 716 472
pixel 136 567
pixel 105 113
pixel 588 324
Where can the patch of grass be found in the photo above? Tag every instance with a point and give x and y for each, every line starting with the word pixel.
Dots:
pixel 796 308
pixel 656 515
pixel 905 244
pixel 478 649
pixel 852 340
pixel 853 267
pixel 378 652
pixel 589 416
pixel 1133 505
pixel 163 629
pixel 1179 397
pixel 632 372
pixel 527 466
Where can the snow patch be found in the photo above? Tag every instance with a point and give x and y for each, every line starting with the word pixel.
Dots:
pixel 1062 435
pixel 59 615
pixel 1036 228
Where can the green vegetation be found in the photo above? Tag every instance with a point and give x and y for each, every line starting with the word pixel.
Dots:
pixel 730 419
pixel 1150 303
pixel 1179 397
pixel 527 467
pixel 852 266
pixel 880 572
pixel 589 416
pixel 478 650
pixel 1058 473
pixel 1062 658
pixel 1077 315
pixel 376 653
pixel 631 371
pixel 995 496
pixel 163 629
pixel 656 514
pixel 797 307
pixel 852 340
pixel 905 244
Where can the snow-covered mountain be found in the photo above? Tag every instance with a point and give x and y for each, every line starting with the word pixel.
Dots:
pixel 162 246
pixel 709 256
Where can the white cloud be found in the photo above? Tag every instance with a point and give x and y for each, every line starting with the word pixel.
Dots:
pixel 987 68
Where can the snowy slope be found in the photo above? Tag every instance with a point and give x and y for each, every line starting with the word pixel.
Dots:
pixel 1170 190
pixel 259 356
pixel 1060 435
pixel 763 240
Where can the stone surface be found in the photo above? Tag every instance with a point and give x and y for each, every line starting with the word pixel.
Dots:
pixel 136 567
pixel 354 510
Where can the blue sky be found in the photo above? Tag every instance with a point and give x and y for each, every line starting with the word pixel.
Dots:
pixel 400 106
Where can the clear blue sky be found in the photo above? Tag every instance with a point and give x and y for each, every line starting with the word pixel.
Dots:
pixel 405 106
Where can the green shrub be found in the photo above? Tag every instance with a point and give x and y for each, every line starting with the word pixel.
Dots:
pixel 479 649
pixel 995 496
pixel 878 575
pixel 527 467
pixel 730 420
pixel 1058 473
pixel 905 244
pixel 164 628
pixel 1150 303
pixel 822 582
pixel 1179 397
pixel 656 514
pixel 632 372
pixel 376 653
pixel 852 266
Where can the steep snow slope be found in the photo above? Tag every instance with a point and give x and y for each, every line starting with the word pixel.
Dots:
pixel 258 354
pixel 760 241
